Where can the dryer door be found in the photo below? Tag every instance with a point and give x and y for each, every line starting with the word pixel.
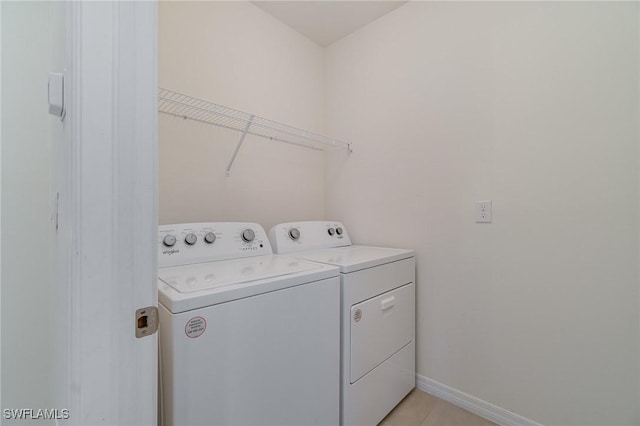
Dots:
pixel 380 327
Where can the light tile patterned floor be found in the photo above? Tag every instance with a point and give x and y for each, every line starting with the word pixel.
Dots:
pixel 421 409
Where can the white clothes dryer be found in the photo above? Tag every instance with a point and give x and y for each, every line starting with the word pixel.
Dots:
pixel 246 337
pixel 377 315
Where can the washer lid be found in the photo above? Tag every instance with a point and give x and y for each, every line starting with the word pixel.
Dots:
pixel 355 258
pixel 212 275
pixel 187 287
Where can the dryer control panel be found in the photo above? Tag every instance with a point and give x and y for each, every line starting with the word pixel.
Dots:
pixel 297 236
pixel 188 243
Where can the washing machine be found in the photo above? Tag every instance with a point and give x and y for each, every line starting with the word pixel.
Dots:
pixel 377 315
pixel 246 337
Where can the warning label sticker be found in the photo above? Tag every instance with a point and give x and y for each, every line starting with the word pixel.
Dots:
pixel 195 327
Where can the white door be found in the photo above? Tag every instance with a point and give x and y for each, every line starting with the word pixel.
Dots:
pixel 380 327
pixel 105 185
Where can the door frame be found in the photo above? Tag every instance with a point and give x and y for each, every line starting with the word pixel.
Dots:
pixel 105 175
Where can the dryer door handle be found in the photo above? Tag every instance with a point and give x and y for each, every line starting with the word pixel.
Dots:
pixel 387 303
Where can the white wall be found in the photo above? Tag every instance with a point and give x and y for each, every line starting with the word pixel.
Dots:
pixel 534 106
pixel 26 281
pixel 0 211
pixel 235 54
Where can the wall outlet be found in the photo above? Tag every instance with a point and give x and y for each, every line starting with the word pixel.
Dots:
pixel 483 211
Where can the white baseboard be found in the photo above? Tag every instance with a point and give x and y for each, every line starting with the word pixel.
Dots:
pixel 471 403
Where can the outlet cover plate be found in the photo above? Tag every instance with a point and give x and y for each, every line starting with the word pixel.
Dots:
pixel 483 211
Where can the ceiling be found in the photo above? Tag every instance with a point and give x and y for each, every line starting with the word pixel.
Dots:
pixel 325 22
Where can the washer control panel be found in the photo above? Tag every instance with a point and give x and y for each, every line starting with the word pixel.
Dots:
pixel 297 236
pixel 188 243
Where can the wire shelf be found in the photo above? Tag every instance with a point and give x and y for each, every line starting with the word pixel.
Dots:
pixel 188 107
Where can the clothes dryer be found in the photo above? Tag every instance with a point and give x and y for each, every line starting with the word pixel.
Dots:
pixel 377 315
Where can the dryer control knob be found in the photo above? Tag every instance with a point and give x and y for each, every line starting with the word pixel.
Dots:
pixel 339 230
pixel 248 235
pixel 331 231
pixel 191 239
pixel 294 233
pixel 209 237
pixel 169 240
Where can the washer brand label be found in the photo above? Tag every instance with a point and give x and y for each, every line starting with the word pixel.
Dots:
pixel 195 327
pixel 357 315
pixel 170 252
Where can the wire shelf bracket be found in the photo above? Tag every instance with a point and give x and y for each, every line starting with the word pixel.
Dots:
pixel 188 107
pixel 235 152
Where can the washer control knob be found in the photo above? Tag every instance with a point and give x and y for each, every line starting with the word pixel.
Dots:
pixel 294 233
pixel 248 235
pixel 331 231
pixel 339 230
pixel 190 239
pixel 169 240
pixel 209 237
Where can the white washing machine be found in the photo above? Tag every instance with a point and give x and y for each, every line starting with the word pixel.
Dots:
pixel 246 337
pixel 377 315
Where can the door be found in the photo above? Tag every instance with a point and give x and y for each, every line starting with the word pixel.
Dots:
pixel 380 327
pixel 105 215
